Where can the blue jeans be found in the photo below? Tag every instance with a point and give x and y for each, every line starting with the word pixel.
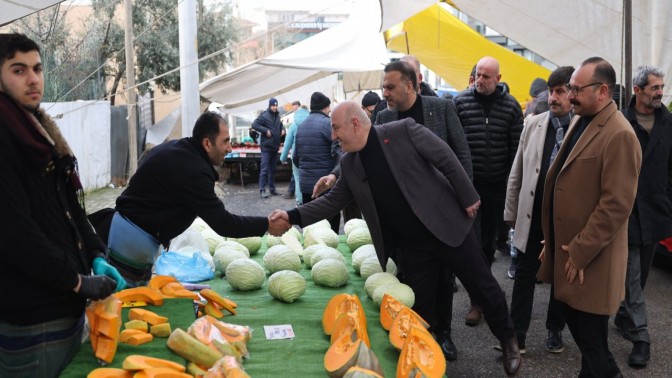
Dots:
pixel 41 350
pixel 269 162
pixel 297 191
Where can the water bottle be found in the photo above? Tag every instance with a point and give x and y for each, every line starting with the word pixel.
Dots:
pixel 512 249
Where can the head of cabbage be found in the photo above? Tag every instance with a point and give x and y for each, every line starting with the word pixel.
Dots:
pixel 245 274
pixel 286 285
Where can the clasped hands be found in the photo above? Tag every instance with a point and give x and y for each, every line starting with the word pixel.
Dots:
pixel 278 222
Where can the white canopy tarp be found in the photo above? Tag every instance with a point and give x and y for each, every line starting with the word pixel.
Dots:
pixel 356 48
pixel 568 32
pixel 11 10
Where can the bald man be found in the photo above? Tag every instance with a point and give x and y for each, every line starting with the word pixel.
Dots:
pixel 492 120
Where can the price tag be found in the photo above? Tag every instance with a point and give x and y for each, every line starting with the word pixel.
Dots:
pixel 278 332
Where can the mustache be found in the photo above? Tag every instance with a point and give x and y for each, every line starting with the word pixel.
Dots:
pixel 657 97
pixel 554 103
pixel 574 102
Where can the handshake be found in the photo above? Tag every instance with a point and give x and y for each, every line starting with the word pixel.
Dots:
pixel 278 222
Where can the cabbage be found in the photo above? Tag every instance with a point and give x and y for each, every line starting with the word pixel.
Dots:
pixel 399 291
pixel 230 244
pixel 292 242
pixel 377 280
pixel 371 265
pixel 286 285
pixel 361 254
pixel 253 243
pixel 326 253
pixel 309 251
pixel 294 232
pixel 358 237
pixel 245 274
pixel 352 224
pixel 224 256
pixel 272 240
pixel 212 238
pixel 321 224
pixel 321 236
pixel 330 273
pixel 281 257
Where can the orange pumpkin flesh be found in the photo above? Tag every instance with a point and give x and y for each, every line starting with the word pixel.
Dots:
pixel 157 282
pixel 212 296
pixel 390 307
pixel 421 356
pixel 145 315
pixel 358 372
pixel 402 325
pixel 105 319
pixel 138 362
pixel 109 373
pixel 349 324
pixel 140 294
pixel 160 372
pixel 339 304
pixel 345 353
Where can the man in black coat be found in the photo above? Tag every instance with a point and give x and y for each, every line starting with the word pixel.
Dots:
pixel 651 218
pixel 270 129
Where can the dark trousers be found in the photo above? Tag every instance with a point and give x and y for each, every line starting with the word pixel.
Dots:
pixel 292 185
pixel 334 221
pixel 269 162
pixel 522 297
pixel 631 316
pixel 424 266
pixel 590 332
pixel 493 196
pixel 351 211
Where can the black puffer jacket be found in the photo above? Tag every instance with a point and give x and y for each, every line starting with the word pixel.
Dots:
pixel 492 133
pixel 268 121
pixel 315 153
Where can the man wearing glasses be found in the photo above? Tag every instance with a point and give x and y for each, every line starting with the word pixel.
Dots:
pixel 651 220
pixel 588 196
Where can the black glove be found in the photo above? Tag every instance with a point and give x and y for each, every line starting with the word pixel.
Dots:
pixel 96 287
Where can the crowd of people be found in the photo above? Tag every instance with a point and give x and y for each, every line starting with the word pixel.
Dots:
pixel 586 188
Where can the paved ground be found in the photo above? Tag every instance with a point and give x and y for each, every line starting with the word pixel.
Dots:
pixel 476 356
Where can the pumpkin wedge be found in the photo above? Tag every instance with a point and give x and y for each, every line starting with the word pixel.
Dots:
pixel 345 353
pixel 349 324
pixel 358 372
pixel 339 304
pixel 105 319
pixel 212 296
pixel 390 307
pixel 109 373
pixel 157 282
pixel 150 317
pixel 138 362
pixel 193 350
pixel 161 372
pixel 421 356
pixel 406 320
pixel 140 294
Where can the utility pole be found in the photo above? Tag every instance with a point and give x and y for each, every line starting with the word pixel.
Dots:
pixel 627 16
pixel 188 61
pixel 130 91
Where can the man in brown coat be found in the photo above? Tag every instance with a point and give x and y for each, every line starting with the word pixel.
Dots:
pixel 588 196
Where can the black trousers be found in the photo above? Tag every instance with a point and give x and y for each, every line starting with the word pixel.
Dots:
pixel 486 226
pixel 334 221
pixel 590 331
pixel 522 297
pixel 424 266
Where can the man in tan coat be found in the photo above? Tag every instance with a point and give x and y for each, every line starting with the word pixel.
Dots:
pixel 588 195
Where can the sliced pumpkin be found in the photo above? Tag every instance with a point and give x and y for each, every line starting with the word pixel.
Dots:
pixel 109 373
pixel 390 307
pixel 349 324
pixel 105 319
pixel 127 333
pixel 137 324
pixel 176 290
pixel 421 356
pixel 401 327
pixel 105 348
pixel 150 317
pixel 213 310
pixel 138 362
pixel 193 350
pixel 160 330
pixel 139 339
pixel 339 304
pixel 358 372
pixel 345 353
pixel 225 303
pixel 140 294
pixel 160 372
pixel 159 281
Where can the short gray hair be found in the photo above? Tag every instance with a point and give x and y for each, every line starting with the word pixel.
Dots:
pixel 641 77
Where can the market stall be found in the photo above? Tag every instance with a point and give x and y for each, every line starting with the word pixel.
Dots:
pixel 300 356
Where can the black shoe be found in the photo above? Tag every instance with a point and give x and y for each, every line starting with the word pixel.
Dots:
pixel 447 346
pixel 640 355
pixel 288 195
pixel 622 328
pixel 511 358
pixel 263 194
pixel 274 193
pixel 554 342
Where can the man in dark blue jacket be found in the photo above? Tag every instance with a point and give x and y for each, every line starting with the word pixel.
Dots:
pixel 270 128
pixel 650 220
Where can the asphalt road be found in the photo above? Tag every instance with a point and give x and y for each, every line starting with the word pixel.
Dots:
pixel 476 357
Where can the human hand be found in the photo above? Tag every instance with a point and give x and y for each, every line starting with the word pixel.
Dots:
pixel 283 132
pixel 102 268
pixel 473 209
pixel 278 222
pixel 268 134
pixel 571 271
pixel 324 183
pixel 542 254
pixel 95 287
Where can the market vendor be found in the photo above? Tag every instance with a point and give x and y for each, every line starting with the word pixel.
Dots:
pixel 48 246
pixel 174 184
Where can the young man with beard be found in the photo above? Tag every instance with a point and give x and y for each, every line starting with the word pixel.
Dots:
pixel 48 246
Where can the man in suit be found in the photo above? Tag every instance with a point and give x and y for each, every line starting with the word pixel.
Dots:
pixel 539 144
pixel 429 225
pixel 588 197
pixel 401 89
pixel 651 218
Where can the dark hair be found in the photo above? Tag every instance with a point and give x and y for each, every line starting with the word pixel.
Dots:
pixel 207 126
pixel 560 76
pixel 473 72
pixel 10 43
pixel 604 73
pixel 405 69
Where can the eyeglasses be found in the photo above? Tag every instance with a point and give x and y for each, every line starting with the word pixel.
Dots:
pixel 576 90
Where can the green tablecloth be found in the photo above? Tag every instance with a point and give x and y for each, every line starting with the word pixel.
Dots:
pixel 300 357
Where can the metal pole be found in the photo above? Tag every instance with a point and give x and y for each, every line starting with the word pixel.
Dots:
pixel 189 72
pixel 627 15
pixel 130 91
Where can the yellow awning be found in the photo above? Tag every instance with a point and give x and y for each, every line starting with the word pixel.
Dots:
pixel 450 48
